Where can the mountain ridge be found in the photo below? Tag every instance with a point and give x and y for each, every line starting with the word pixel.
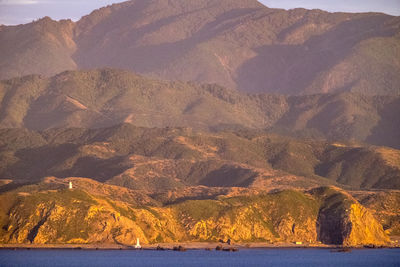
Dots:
pixel 244 46
pixel 106 97
pixel 156 160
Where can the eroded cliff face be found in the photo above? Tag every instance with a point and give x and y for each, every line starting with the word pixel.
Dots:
pixel 385 206
pixel 344 221
pixel 364 228
pixel 75 216
pixel 287 216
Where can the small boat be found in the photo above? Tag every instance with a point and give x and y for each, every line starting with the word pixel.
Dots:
pixel 179 248
pixel 345 249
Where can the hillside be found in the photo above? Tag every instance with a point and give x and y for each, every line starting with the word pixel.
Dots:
pixel 385 206
pixel 42 47
pixel 237 44
pixel 46 214
pixel 157 160
pixel 106 97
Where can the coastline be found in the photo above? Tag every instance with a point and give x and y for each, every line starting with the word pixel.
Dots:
pixel 186 245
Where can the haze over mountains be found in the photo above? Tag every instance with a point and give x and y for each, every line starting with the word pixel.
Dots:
pixel 99 98
pixel 237 44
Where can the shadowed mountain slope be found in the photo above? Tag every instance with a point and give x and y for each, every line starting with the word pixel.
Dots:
pixel 158 160
pixel 386 208
pixel 237 44
pixel 106 97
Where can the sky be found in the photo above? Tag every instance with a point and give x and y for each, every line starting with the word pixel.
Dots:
pixel 14 12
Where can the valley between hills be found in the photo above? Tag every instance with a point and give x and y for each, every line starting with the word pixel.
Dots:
pixel 167 185
pixel 200 121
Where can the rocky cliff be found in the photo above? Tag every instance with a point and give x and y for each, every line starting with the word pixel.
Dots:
pixel 58 216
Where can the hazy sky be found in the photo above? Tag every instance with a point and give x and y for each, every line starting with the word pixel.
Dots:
pixel 387 6
pixel 23 11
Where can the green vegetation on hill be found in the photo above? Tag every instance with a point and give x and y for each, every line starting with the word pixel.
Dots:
pixel 156 160
pixel 386 208
pixel 60 216
pixel 107 97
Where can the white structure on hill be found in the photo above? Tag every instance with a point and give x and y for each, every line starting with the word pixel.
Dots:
pixel 137 243
pixel 70 185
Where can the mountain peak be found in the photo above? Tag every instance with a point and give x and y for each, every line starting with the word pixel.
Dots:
pixel 201 3
pixel 239 44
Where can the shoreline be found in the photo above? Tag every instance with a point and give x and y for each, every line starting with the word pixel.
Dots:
pixel 186 246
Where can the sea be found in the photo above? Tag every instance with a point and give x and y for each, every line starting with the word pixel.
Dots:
pixel 245 257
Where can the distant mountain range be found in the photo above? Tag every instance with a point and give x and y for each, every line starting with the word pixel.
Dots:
pixel 239 44
pixel 106 97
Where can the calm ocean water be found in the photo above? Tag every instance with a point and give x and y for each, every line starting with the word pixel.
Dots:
pixel 254 257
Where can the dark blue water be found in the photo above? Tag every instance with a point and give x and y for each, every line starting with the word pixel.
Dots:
pixel 254 257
